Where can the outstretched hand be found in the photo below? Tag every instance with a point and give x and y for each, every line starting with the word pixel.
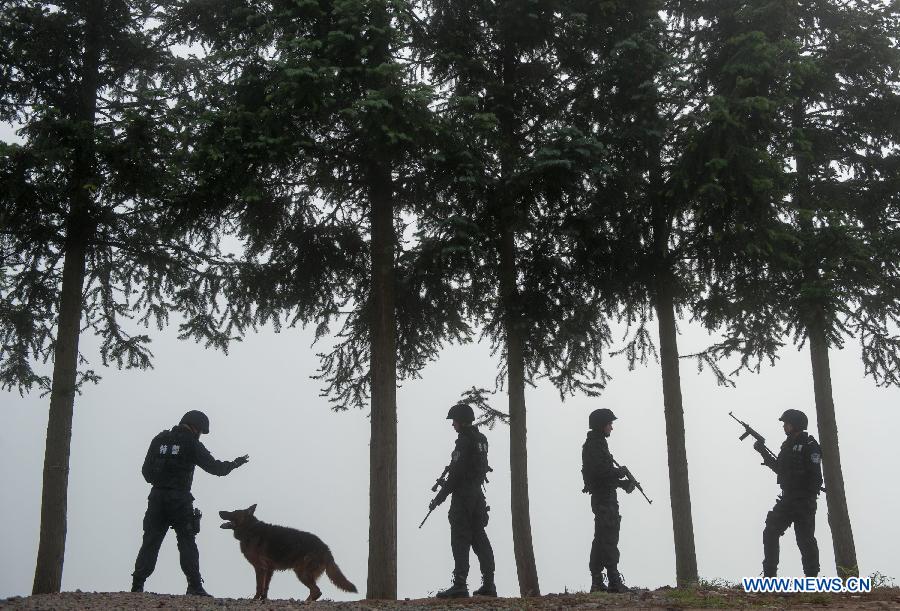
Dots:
pixel 241 460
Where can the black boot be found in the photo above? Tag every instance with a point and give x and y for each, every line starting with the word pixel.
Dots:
pixel 195 588
pixel 597 583
pixel 137 585
pixel 487 586
pixel 615 582
pixel 459 589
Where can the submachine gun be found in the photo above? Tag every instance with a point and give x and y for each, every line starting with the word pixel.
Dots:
pixel 438 483
pixel 632 479
pixel 763 449
pixel 769 457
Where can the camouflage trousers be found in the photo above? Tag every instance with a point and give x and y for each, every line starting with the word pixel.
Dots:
pixel 605 548
pixel 175 509
pixel 468 517
pixel 801 512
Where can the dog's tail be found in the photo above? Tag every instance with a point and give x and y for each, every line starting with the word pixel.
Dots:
pixel 337 578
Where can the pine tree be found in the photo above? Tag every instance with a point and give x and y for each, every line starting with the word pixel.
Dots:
pixel 823 267
pixel 325 135
pixel 529 87
pixel 90 237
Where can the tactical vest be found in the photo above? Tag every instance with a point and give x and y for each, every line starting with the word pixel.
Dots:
pixel 169 464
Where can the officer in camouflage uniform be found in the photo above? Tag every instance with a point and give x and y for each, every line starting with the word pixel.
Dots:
pixel 799 470
pixel 468 509
pixel 601 478
pixel 169 468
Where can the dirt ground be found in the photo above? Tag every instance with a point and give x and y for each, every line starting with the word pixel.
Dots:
pixel 663 598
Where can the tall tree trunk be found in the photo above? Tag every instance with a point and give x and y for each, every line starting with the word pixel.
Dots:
pixel 52 543
pixel 523 547
pixel 835 497
pixel 679 482
pixel 382 577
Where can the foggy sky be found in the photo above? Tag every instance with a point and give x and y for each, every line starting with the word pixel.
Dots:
pixel 308 468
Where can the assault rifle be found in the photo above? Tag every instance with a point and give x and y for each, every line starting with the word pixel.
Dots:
pixel 769 458
pixel 767 454
pixel 632 479
pixel 438 483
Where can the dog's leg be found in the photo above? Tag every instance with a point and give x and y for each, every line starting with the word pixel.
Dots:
pixel 309 581
pixel 260 581
pixel 268 579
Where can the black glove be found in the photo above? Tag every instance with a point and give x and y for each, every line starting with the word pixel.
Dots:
pixel 240 460
pixel 759 446
pixel 627 485
pixel 621 472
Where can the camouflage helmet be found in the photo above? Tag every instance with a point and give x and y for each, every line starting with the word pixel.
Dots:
pixel 461 411
pixel 196 419
pixel 600 418
pixel 795 418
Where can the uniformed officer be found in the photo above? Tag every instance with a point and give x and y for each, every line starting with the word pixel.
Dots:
pixel 601 478
pixel 799 470
pixel 169 468
pixel 468 513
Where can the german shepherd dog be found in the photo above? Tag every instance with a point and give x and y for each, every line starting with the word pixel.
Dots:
pixel 271 548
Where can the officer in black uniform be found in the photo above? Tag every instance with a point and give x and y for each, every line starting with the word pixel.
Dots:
pixel 169 468
pixel 799 470
pixel 601 478
pixel 468 513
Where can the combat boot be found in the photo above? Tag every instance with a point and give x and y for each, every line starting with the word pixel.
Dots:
pixel 137 586
pixel 597 583
pixel 487 586
pixel 459 589
pixel 615 582
pixel 196 589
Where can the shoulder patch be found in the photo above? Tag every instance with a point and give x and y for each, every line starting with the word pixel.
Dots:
pixel 815 457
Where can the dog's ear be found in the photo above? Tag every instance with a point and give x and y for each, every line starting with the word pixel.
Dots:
pixel 251 509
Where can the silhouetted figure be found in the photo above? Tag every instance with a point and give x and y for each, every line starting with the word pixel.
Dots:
pixel 169 468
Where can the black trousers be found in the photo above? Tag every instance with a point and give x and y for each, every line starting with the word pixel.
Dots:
pixel 468 517
pixel 168 508
pixel 605 548
pixel 801 512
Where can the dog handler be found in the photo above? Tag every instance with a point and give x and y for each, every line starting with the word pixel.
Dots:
pixel 468 513
pixel 169 468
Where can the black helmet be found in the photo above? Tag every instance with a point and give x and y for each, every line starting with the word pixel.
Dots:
pixel 796 418
pixel 196 419
pixel 461 411
pixel 600 418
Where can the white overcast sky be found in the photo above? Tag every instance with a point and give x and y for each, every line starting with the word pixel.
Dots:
pixel 309 468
